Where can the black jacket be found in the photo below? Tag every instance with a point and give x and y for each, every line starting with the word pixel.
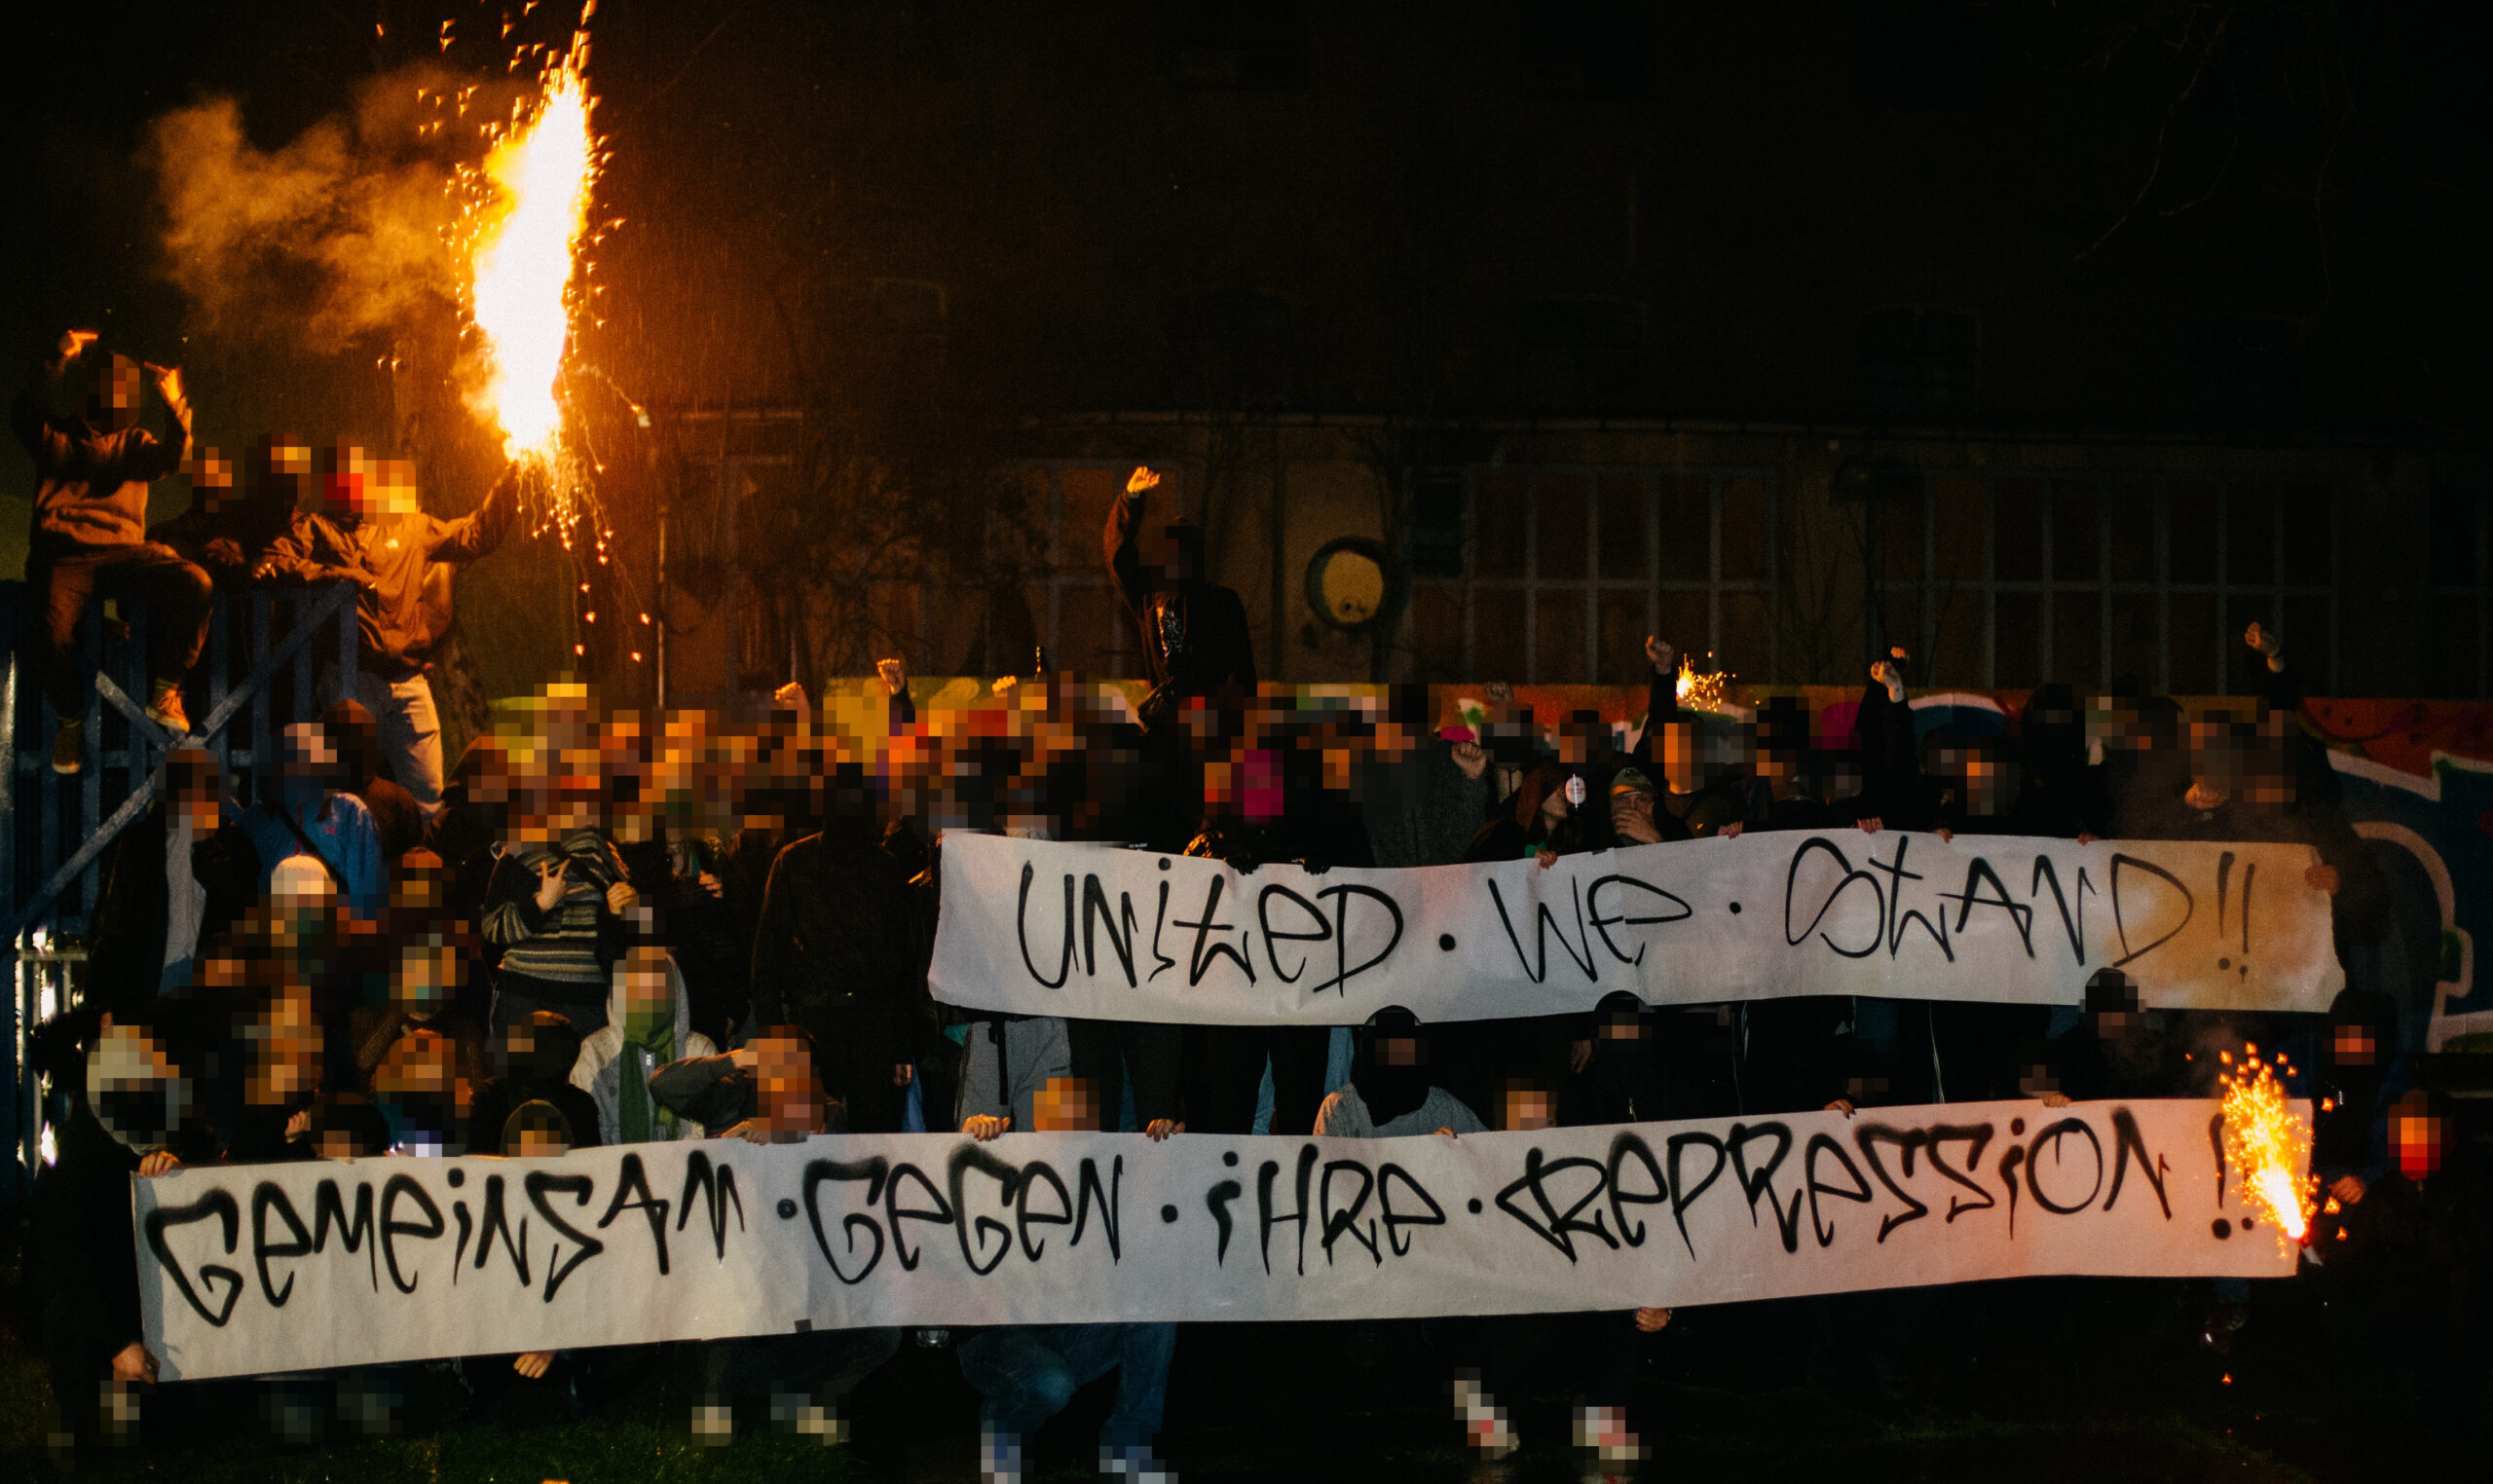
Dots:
pixel 835 936
pixel 125 956
pixel 1195 637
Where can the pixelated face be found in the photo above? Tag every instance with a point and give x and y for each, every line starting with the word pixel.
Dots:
pixel 1986 784
pixel 346 480
pixel 422 1064
pixel 2114 1024
pixel 786 1097
pixel 534 1143
pixel 2354 1046
pixel 2420 1140
pixel 645 993
pixel 211 476
pixel 1523 1108
pixel 310 758
pixel 425 978
pixel 113 401
pixel 335 1144
pixel 1066 1105
pixel 1621 1026
pixel 1398 1050
pixel 1865 1089
pixel 197 805
pixel 285 1051
pixel 2119 725
pixel 137 1091
pixel 1680 757
pixel 2034 1079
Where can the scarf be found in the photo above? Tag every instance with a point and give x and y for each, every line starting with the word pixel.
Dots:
pixel 649 1043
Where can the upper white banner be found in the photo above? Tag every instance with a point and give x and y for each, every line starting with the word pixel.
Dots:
pixel 251 1269
pixel 1035 928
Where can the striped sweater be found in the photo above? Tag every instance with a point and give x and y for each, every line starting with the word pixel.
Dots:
pixel 567 952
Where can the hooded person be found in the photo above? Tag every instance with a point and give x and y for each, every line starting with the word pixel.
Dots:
pixel 1622 1080
pixel 131 1114
pixel 311 816
pixel 1546 817
pixel 89 537
pixel 395 811
pixel 229 531
pixel 649 1023
pixel 2354 1082
pixel 534 1060
pixel 1391 1091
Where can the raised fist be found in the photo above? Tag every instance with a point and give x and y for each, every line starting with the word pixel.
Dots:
pixel 1658 652
pixel 1143 478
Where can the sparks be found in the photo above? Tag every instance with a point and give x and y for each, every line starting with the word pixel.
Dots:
pixel 2265 1141
pixel 538 180
pixel 1701 689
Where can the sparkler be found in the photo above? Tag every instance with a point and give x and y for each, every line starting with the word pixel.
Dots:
pixel 2268 1144
pixel 1701 689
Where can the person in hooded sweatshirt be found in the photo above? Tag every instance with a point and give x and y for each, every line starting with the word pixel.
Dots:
pixel 535 1059
pixel 649 1023
pixel 131 1114
pixel 395 811
pixel 1391 1092
pixel 89 533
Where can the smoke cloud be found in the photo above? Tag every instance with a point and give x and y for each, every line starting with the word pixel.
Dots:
pixel 332 238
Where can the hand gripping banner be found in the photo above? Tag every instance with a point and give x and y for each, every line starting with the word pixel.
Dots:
pixel 1034 928
pixel 254 1269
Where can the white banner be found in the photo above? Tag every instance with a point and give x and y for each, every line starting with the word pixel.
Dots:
pixel 283 1267
pixel 1035 928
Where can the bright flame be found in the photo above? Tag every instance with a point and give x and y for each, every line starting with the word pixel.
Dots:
pixel 1701 689
pixel 2268 1144
pixel 526 246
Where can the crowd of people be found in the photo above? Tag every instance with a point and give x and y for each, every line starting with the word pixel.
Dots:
pixel 608 927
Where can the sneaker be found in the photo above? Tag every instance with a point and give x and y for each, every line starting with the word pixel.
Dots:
pixel 69 748
pixel 1135 1462
pixel 999 1457
pixel 1485 1427
pixel 165 708
pixel 714 1426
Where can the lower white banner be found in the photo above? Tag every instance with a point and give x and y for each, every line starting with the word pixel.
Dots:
pixel 252 1269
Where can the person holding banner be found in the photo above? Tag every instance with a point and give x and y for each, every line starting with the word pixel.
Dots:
pixel 1028 1373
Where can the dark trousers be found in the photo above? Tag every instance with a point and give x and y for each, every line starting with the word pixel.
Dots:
pixel 64 577
pixel 1028 1372
pixel 826 1364
pixel 1229 1071
pixel 858 1048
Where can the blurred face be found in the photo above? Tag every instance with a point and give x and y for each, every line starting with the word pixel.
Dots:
pixel 647 998
pixel 1623 1025
pixel 311 758
pixel 1398 1050
pixel 1524 1109
pixel 2354 1046
pixel 2419 1139
pixel 538 1144
pixel 425 978
pixel 1985 785
pixel 285 1053
pixel 1680 770
pixel 1066 1105
pixel 113 401
pixel 788 1099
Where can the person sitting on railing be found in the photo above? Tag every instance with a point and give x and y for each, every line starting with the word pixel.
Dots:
pixel 368 530
pixel 89 533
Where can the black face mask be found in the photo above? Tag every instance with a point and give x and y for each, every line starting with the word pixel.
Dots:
pixel 1389 1092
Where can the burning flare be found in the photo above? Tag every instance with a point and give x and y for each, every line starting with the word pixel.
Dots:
pixel 1701 689
pixel 2268 1144
pixel 527 240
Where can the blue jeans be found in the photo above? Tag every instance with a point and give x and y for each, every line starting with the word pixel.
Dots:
pixel 1028 1372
